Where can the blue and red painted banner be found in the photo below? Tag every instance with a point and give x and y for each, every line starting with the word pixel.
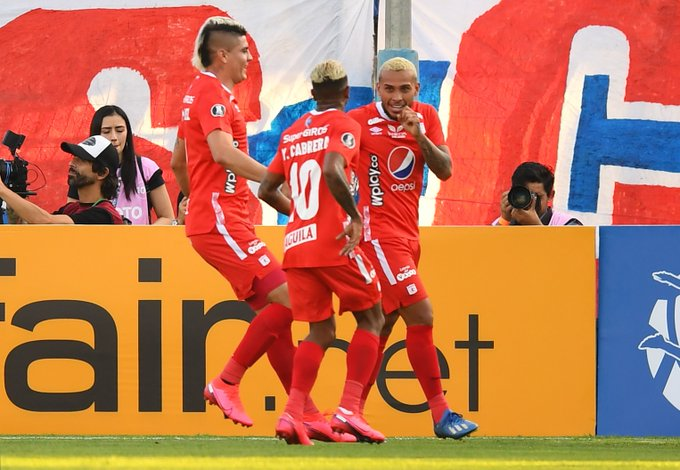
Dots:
pixel 64 62
pixel 588 89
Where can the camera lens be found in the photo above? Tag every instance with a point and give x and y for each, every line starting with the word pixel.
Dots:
pixel 519 197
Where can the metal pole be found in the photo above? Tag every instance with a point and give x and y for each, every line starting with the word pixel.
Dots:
pixel 397 24
pixel 397 34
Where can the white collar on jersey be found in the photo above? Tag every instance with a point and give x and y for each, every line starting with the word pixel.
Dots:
pixel 382 112
pixel 316 113
pixel 210 74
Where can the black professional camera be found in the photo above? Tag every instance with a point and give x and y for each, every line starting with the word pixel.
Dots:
pixel 520 197
pixel 14 173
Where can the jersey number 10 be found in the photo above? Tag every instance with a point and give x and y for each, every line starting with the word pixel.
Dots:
pixel 304 186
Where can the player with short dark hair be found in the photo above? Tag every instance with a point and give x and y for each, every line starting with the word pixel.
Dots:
pixel 214 176
pixel 399 137
pixel 321 257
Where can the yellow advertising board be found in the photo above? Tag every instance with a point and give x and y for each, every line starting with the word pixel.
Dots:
pixel 114 330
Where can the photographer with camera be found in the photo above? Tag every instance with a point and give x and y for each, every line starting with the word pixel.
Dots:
pixel 529 200
pixel 93 171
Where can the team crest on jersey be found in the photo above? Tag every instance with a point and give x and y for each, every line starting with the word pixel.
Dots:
pixel 308 121
pixel 217 110
pixel 401 162
pixel 348 139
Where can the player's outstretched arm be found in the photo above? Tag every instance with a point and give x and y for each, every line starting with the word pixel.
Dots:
pixel 334 175
pixel 269 192
pixel 229 157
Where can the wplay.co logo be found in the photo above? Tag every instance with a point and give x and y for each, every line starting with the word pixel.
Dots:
pixel 662 347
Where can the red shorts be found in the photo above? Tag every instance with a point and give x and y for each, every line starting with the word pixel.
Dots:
pixel 396 262
pixel 311 289
pixel 244 261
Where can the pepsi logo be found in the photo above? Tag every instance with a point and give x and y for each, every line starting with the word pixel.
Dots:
pixel 401 162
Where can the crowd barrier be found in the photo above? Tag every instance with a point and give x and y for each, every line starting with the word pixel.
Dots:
pixel 114 330
pixel 639 326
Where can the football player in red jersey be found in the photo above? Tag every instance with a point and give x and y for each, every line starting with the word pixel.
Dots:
pixel 212 167
pixel 321 257
pixel 399 137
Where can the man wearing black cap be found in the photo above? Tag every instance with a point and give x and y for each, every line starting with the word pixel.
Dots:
pixel 93 172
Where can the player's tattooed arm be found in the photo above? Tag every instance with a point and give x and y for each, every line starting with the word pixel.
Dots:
pixel 438 158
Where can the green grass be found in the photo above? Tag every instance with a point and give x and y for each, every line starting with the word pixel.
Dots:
pixel 203 452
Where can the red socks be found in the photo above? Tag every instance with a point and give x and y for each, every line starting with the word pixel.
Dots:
pixel 266 327
pixel 305 369
pixel 438 406
pixel 280 355
pixel 362 354
pixel 374 375
pixel 423 357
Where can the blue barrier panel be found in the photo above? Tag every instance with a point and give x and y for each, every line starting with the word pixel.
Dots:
pixel 638 329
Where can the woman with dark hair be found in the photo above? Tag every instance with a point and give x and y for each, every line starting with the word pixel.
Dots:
pixel 140 180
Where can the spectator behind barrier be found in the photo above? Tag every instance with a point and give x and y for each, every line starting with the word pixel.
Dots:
pixel 92 172
pixel 141 184
pixel 182 202
pixel 529 201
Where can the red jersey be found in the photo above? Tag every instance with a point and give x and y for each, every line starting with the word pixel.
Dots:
pixel 316 217
pixel 391 170
pixel 218 196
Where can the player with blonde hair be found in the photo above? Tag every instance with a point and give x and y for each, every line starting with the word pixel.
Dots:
pixel 399 137
pixel 321 257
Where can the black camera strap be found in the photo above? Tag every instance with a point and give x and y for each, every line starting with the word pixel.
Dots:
pixel 547 216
